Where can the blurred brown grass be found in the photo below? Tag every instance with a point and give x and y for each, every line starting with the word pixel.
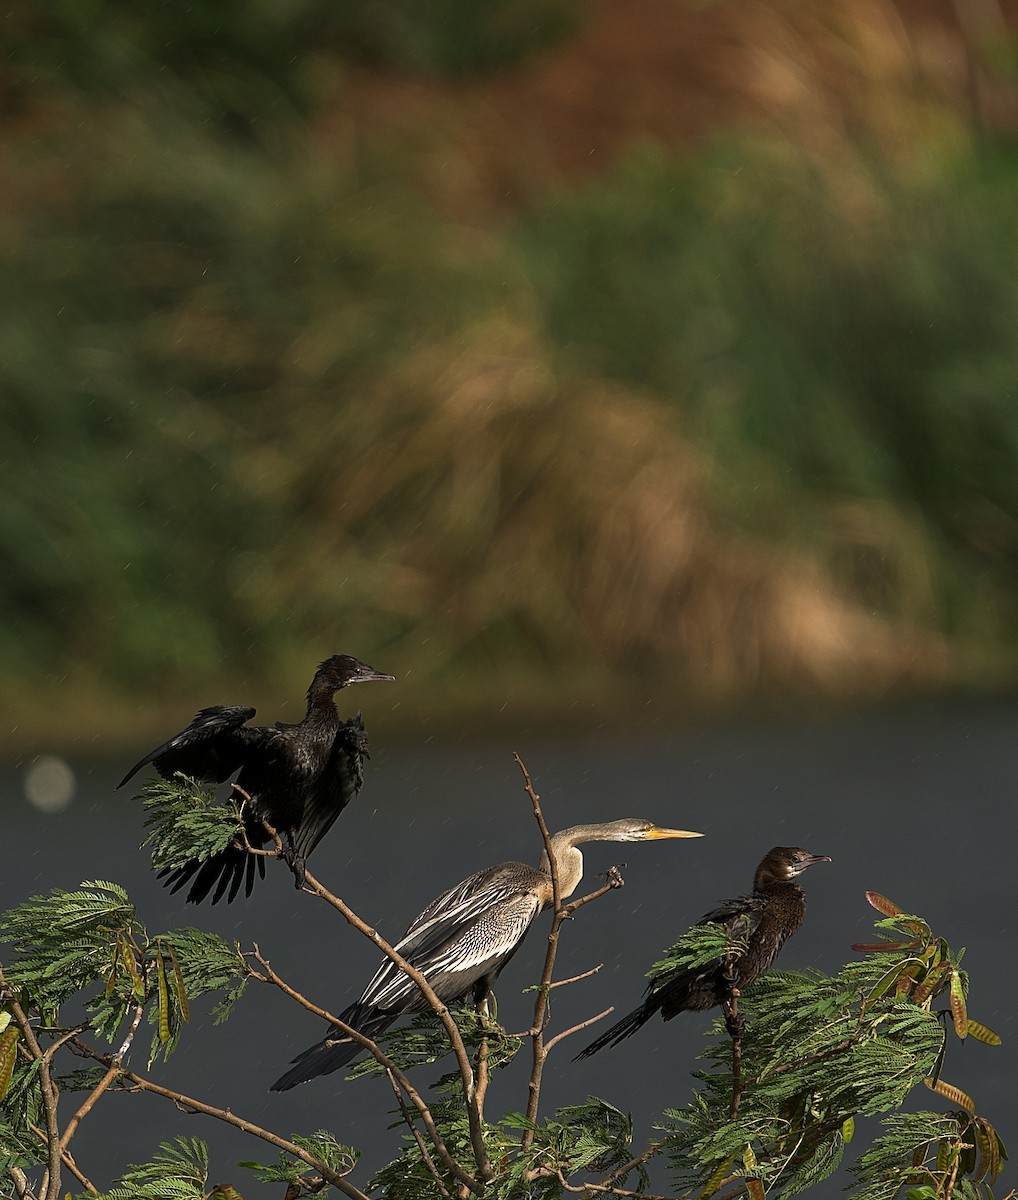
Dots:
pixel 384 379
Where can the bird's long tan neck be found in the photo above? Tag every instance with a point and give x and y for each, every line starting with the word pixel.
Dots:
pixel 568 859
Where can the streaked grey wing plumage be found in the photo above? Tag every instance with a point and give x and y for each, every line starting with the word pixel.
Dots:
pixel 464 936
pixel 210 749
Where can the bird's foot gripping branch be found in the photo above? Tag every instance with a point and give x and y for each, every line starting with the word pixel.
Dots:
pixel 817 1053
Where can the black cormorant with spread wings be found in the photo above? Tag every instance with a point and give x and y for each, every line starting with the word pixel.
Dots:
pixel 463 939
pixel 298 777
pixel 766 918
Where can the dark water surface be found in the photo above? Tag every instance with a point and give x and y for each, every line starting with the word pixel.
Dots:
pixel 918 805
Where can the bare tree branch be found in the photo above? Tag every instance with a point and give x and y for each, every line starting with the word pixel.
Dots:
pixel 560 914
pixel 576 978
pixel 576 1029
pixel 189 1104
pixel 391 1068
pixel 104 1083
pixel 22 1187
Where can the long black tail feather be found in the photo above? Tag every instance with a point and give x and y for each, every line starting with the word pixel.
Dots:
pixel 227 871
pixel 335 1050
pixel 621 1029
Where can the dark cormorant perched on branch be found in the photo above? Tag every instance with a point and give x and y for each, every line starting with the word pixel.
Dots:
pixel 463 939
pixel 299 777
pixel 766 919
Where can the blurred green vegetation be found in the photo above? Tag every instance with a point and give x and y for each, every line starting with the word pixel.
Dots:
pixel 715 423
pixel 838 337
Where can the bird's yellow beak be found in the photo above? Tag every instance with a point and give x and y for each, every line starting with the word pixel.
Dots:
pixel 654 833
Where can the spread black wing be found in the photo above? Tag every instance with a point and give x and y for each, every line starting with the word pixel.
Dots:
pixel 210 749
pixel 216 744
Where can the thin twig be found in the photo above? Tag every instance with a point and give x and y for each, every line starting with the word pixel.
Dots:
pixel 78 1174
pixel 355 1035
pixel 560 914
pixel 623 1171
pixel 408 1119
pixel 602 1189
pixel 575 978
pixel 810 1059
pixel 535 801
pixel 241 840
pixel 614 881
pixel 539 1053
pixel 730 1007
pixel 86 1107
pixel 481 1060
pixel 733 1108
pixel 576 1029
pixel 111 1074
pixel 125 1045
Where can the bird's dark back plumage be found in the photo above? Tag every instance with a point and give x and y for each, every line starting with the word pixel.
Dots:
pixel 297 777
pixel 764 918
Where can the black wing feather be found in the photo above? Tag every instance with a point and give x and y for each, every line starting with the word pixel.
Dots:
pixel 693 988
pixel 335 787
pixel 210 749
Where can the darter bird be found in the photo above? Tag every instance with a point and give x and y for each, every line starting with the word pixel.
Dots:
pixel 299 777
pixel 463 939
pixel 766 918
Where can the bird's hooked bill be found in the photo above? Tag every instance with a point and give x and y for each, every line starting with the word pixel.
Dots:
pixel 369 675
pixel 655 833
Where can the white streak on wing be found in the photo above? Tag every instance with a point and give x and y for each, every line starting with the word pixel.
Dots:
pixel 464 934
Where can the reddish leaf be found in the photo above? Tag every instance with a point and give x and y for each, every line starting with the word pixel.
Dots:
pixel 8 1056
pixel 932 983
pixel 877 947
pixel 883 905
pixel 979 1031
pixel 952 1093
pixel 989 1160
